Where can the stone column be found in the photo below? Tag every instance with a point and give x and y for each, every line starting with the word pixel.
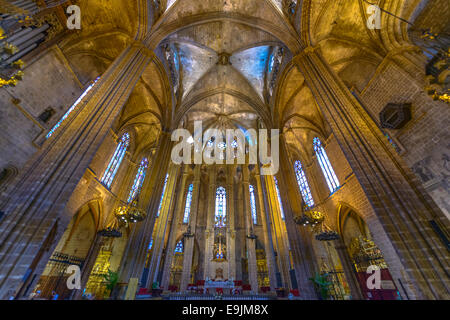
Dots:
pixel 209 232
pixel 88 265
pixel 400 202
pixel 177 221
pixel 298 237
pixel 189 240
pixel 135 254
pixel 49 178
pixel 267 231
pixel 278 230
pixel 251 241
pixel 163 223
pixel 231 231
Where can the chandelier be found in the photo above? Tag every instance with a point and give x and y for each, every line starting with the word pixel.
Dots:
pixel 309 217
pixel 130 213
pixel 112 230
pixel 123 215
pixel 316 220
pixel 326 234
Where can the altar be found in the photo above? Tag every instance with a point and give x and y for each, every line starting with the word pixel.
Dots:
pixel 211 284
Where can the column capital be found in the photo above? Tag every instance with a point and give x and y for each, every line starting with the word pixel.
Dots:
pixel 306 51
pixel 138 44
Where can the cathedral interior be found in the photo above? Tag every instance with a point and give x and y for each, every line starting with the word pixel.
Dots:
pixel 355 93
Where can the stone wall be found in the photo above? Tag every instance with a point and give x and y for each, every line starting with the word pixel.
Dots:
pixel 425 140
pixel 49 82
pixel 435 16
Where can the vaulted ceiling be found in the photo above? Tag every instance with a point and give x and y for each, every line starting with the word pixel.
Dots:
pixel 229 62
pixel 223 64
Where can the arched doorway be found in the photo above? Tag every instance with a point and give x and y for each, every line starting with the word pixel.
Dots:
pixel 365 256
pixel 72 249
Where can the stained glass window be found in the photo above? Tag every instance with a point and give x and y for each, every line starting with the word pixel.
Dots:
pixel 116 160
pixel 139 180
pixel 271 62
pixel 179 247
pixel 64 117
pixel 222 145
pixel 187 208
pixel 279 197
pixel 303 184
pixel 253 204
pixel 219 255
pixel 170 3
pixel 221 207
pixel 162 195
pixel 150 245
pixel 279 4
pixel 325 165
pixel 392 142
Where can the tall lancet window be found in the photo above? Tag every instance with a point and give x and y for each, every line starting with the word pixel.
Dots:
pixel 150 245
pixel 66 115
pixel 325 165
pixel 303 184
pixel 179 247
pixel 162 195
pixel 139 180
pixel 279 197
pixel 187 208
pixel 116 160
pixel 170 3
pixel 253 204
pixel 279 4
pixel 221 207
